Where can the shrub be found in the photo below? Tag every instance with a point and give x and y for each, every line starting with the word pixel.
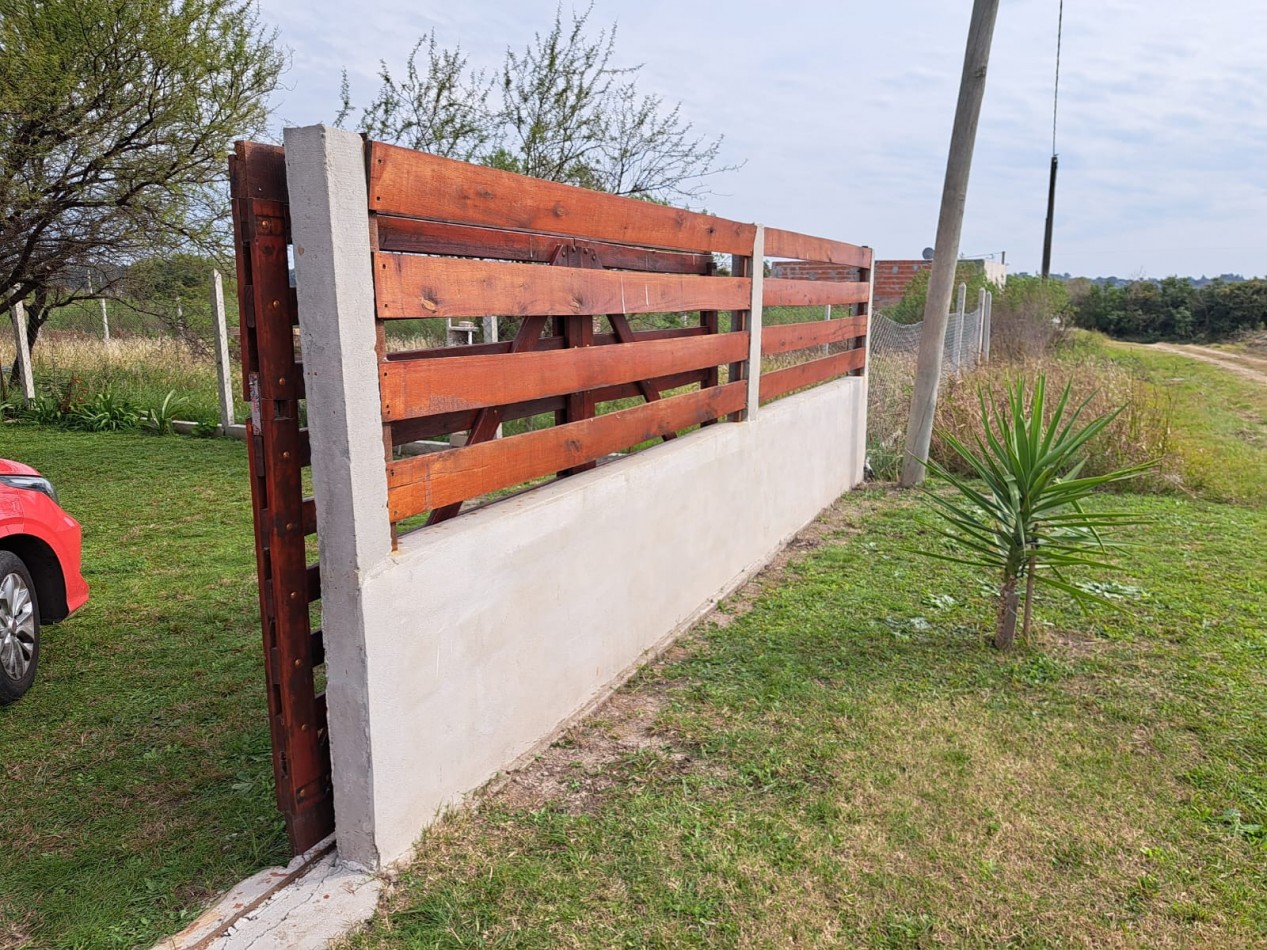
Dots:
pixel 1027 522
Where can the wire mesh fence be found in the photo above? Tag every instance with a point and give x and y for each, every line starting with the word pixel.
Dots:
pixel 962 349
pixel 891 370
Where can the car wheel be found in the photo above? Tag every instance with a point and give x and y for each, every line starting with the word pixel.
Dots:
pixel 19 628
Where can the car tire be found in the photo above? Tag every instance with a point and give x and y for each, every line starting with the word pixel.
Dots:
pixel 19 628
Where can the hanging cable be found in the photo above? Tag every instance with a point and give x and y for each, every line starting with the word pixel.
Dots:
pixel 1051 184
pixel 1055 99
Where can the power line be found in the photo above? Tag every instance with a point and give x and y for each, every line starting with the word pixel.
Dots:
pixel 1055 99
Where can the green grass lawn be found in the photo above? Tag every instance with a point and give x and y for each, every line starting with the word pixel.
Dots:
pixel 1219 422
pixel 136 776
pixel 848 763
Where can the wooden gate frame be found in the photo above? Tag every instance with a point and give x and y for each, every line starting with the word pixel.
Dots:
pixel 278 448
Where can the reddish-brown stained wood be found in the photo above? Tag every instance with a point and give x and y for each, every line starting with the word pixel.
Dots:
pixel 787 337
pixel 428 387
pixel 277 448
pixel 414 236
pixel 411 287
pixel 777 292
pixel 545 343
pixel 427 427
pixel 624 333
pixel 808 374
pixel 443 478
pixel 803 247
pixel 418 185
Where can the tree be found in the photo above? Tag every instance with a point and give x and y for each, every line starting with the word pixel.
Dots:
pixel 441 106
pixel 566 114
pixel 116 117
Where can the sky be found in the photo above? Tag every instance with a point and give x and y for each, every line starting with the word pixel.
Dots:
pixel 840 113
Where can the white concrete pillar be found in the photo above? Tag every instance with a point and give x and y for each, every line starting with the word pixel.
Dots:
pixel 976 355
pixel 963 295
pixel 224 375
pixel 325 171
pixel 754 323
pixel 22 352
pixel 985 334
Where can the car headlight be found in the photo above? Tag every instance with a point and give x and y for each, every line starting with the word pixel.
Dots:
pixel 31 483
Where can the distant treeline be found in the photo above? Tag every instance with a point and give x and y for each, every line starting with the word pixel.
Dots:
pixel 1172 309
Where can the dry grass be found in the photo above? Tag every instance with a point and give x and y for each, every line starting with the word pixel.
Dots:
pixel 140 370
pixel 1140 434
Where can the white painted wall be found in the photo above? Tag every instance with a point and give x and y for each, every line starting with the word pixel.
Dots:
pixel 486 632
pixel 452 656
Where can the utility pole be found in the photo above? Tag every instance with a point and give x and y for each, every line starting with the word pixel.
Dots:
pixel 976 59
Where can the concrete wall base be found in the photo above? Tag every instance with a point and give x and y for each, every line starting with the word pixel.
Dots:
pixel 484 634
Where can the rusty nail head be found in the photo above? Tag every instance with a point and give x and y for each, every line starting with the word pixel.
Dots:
pixel 285 455
pixel 294 595
pixel 281 380
pixel 298 661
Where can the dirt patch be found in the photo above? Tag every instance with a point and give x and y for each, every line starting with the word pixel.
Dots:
pixel 614 742
pixel 1252 368
pixel 15 931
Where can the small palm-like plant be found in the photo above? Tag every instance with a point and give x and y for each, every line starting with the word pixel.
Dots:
pixel 1027 521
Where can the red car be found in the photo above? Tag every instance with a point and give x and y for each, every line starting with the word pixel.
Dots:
pixel 39 572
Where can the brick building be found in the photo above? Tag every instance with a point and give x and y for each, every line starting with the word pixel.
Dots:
pixel 891 277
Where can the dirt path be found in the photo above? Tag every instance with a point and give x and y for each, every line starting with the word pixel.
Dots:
pixel 1253 368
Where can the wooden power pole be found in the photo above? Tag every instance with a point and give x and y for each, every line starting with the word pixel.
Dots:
pixel 976 59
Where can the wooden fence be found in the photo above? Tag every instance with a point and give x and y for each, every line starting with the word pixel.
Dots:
pixel 453 240
pixel 572 270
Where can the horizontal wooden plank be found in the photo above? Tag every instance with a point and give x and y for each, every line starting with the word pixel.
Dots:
pixel 428 427
pixel 418 185
pixel 411 287
pixel 432 481
pixel 803 247
pixel 808 374
pixel 427 387
pixel 545 343
pixel 415 236
pixel 779 292
pixel 788 337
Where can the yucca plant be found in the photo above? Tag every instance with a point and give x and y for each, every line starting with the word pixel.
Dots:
pixel 1027 521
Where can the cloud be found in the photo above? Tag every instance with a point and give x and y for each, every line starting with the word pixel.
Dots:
pixel 842 111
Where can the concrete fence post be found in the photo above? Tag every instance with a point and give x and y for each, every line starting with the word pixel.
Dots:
pixel 976 356
pixel 963 296
pixel 985 333
pixel 325 172
pixel 223 374
pixel 105 321
pixel 755 314
pixel 22 352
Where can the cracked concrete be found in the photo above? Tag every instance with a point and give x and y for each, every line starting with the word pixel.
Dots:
pixel 304 906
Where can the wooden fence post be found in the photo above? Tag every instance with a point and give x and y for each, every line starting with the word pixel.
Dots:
pixel 228 415
pixel 22 352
